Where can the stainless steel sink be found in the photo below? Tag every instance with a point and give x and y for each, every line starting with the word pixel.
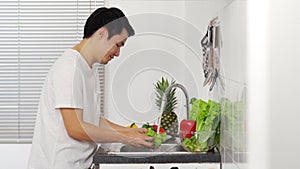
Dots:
pixel 126 150
pixel 162 148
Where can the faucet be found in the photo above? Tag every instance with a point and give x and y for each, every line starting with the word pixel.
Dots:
pixel 164 99
pixel 185 94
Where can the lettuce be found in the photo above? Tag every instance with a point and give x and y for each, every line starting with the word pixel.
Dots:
pixel 199 106
pixel 158 138
pixel 208 117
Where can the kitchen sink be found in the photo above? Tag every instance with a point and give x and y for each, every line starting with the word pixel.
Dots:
pixel 169 152
pixel 127 150
pixel 162 148
pixel 171 146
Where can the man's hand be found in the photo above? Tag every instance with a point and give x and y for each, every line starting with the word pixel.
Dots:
pixel 136 137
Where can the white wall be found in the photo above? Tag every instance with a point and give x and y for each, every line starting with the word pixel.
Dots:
pixel 284 83
pixel 167 43
pixel 284 89
pixel 274 84
pixel 14 156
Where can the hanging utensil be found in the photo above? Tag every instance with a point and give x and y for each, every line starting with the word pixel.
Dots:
pixel 214 79
pixel 211 45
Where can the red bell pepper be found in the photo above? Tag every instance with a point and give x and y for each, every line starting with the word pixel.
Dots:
pixel 187 128
pixel 161 130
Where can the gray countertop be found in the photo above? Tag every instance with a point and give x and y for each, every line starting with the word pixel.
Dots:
pixel 111 155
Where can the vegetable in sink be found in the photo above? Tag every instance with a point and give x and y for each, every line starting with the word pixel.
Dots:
pixel 152 132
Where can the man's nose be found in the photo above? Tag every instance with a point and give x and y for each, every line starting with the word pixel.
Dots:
pixel 117 53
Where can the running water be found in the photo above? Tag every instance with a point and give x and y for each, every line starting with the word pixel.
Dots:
pixel 164 99
pixel 163 102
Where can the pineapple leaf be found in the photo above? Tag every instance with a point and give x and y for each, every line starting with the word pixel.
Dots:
pixel 160 88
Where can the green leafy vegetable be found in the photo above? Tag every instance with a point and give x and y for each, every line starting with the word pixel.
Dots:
pixel 207 116
pixel 158 138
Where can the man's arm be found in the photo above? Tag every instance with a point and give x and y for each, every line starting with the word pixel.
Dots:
pixel 105 123
pixel 80 130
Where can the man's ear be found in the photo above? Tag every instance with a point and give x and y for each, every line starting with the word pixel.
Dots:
pixel 101 33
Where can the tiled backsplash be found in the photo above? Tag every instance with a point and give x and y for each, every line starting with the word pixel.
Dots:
pixel 234 125
pixel 234 121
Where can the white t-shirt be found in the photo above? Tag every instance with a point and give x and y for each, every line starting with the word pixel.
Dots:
pixel 71 83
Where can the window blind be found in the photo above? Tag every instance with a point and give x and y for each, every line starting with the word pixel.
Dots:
pixel 33 34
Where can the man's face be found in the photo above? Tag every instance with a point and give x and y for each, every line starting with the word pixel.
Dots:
pixel 114 46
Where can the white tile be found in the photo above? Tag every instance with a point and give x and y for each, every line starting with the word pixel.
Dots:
pixel 234 51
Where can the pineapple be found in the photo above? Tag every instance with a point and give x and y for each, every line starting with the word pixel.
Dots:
pixel 169 119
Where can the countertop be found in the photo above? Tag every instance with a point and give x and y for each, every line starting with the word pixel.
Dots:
pixel 108 156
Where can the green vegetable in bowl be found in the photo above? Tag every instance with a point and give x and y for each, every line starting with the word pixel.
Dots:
pixel 152 132
pixel 207 116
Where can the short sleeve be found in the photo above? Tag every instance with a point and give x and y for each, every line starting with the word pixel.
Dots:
pixel 68 86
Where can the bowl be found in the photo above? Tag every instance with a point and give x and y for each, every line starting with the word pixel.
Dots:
pixel 198 141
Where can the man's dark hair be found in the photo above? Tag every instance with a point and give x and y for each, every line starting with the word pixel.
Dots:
pixel 111 18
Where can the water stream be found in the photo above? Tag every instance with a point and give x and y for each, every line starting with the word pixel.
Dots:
pixel 163 102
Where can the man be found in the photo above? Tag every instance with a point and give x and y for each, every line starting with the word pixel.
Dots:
pixel 68 123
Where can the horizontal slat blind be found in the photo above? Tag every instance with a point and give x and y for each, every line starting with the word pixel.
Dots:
pixel 33 34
